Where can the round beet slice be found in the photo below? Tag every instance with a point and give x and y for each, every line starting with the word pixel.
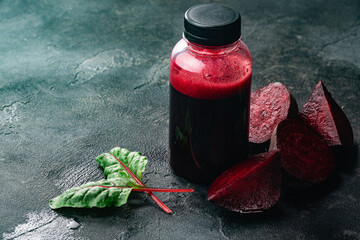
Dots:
pixel 250 186
pixel 269 105
pixel 325 116
pixel 304 154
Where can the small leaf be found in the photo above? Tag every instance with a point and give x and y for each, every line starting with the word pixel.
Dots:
pixel 129 167
pixel 99 194
pixel 180 136
pixel 123 171
pixel 113 169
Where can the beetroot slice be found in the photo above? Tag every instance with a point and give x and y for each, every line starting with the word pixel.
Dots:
pixel 269 105
pixel 325 116
pixel 304 154
pixel 250 186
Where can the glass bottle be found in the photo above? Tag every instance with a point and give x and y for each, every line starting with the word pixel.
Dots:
pixel 210 81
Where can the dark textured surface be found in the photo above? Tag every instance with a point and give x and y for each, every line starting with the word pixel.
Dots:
pixel 80 77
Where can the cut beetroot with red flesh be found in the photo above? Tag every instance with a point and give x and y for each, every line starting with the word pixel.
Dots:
pixel 304 154
pixel 269 105
pixel 325 116
pixel 250 186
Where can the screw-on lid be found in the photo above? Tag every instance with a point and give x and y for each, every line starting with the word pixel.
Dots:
pixel 212 24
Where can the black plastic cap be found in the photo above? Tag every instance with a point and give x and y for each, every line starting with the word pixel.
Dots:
pixel 212 24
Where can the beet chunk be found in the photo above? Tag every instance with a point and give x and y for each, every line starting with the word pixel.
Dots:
pixel 250 186
pixel 269 105
pixel 325 116
pixel 304 154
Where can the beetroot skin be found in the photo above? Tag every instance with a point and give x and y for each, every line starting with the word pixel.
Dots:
pixel 325 116
pixel 304 154
pixel 269 105
pixel 250 186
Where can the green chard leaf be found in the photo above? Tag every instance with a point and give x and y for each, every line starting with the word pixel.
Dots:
pixel 122 169
pixel 180 136
pixel 104 193
pixel 113 169
pixel 115 190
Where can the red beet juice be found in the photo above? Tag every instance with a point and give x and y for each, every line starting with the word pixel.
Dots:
pixel 210 81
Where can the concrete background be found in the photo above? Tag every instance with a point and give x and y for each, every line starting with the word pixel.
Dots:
pixel 78 78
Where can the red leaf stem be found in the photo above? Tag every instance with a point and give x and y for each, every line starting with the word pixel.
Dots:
pixel 161 190
pixel 192 153
pixel 159 202
pixel 149 189
pixel 152 195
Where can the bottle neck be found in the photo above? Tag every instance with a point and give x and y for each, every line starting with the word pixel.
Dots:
pixel 203 50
